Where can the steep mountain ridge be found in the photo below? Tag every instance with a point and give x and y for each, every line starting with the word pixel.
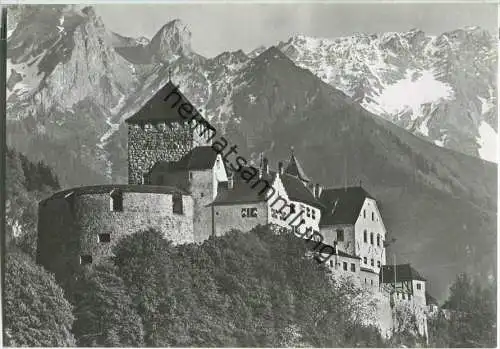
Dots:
pixel 442 88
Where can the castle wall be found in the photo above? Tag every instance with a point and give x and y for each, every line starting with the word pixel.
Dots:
pixel 239 217
pixel 202 192
pixel 154 143
pixel 336 265
pixel 69 228
pixel 369 279
pixel 330 235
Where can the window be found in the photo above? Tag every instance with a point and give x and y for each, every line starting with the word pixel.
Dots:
pixel 371 282
pixel 345 265
pixel 372 262
pixel 371 238
pixel 292 208
pixel 364 213
pixel 403 296
pixel 202 194
pixel 373 216
pixel 340 235
pixel 116 201
pixel 365 280
pixel 331 263
pixel 365 260
pixel 308 212
pixel 313 211
pixel 365 236
pixel 353 267
pixel 190 175
pixel 419 287
pixel 85 259
pixel 378 264
pixel 177 204
pixel 104 237
pixel 378 240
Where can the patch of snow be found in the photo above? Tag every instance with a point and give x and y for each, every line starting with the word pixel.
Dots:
pixel 487 141
pixel 486 104
pixel 412 93
pixel 440 142
pixel 424 129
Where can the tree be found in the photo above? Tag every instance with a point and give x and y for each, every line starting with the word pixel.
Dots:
pixel 472 313
pixel 104 312
pixel 36 312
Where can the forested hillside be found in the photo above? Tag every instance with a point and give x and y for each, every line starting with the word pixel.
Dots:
pixel 27 183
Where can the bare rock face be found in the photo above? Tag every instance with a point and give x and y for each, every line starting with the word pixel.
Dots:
pixel 441 88
pixel 174 38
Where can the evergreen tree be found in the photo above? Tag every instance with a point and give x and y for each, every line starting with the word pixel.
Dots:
pixel 104 312
pixel 36 312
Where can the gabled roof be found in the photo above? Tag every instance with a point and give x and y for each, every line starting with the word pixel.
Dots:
pixel 295 169
pixel 241 192
pixel 157 109
pixel 404 272
pixel 199 158
pixel 297 191
pixel 343 205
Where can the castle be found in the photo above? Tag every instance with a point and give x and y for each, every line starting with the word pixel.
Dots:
pixel 178 184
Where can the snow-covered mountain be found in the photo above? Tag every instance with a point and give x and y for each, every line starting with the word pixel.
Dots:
pixel 442 88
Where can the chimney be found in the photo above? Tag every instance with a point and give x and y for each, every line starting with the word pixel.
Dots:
pixel 261 166
pixel 317 190
pixel 266 166
pixel 230 182
pixel 280 168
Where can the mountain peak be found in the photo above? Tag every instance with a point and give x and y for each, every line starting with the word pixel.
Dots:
pixel 273 52
pixel 174 38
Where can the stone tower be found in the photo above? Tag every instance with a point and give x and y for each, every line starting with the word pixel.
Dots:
pixel 166 128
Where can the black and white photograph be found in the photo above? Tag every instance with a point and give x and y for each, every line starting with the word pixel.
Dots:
pixel 266 174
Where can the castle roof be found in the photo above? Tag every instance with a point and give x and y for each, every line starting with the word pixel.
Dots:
pixel 157 109
pixel 295 169
pixel 123 188
pixel 404 272
pixel 318 246
pixel 367 270
pixel 297 191
pixel 199 158
pixel 343 205
pixel 242 192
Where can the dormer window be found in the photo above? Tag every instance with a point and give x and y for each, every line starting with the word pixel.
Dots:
pixel 116 201
pixel 292 208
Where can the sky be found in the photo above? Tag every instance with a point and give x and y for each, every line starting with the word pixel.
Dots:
pixel 223 27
